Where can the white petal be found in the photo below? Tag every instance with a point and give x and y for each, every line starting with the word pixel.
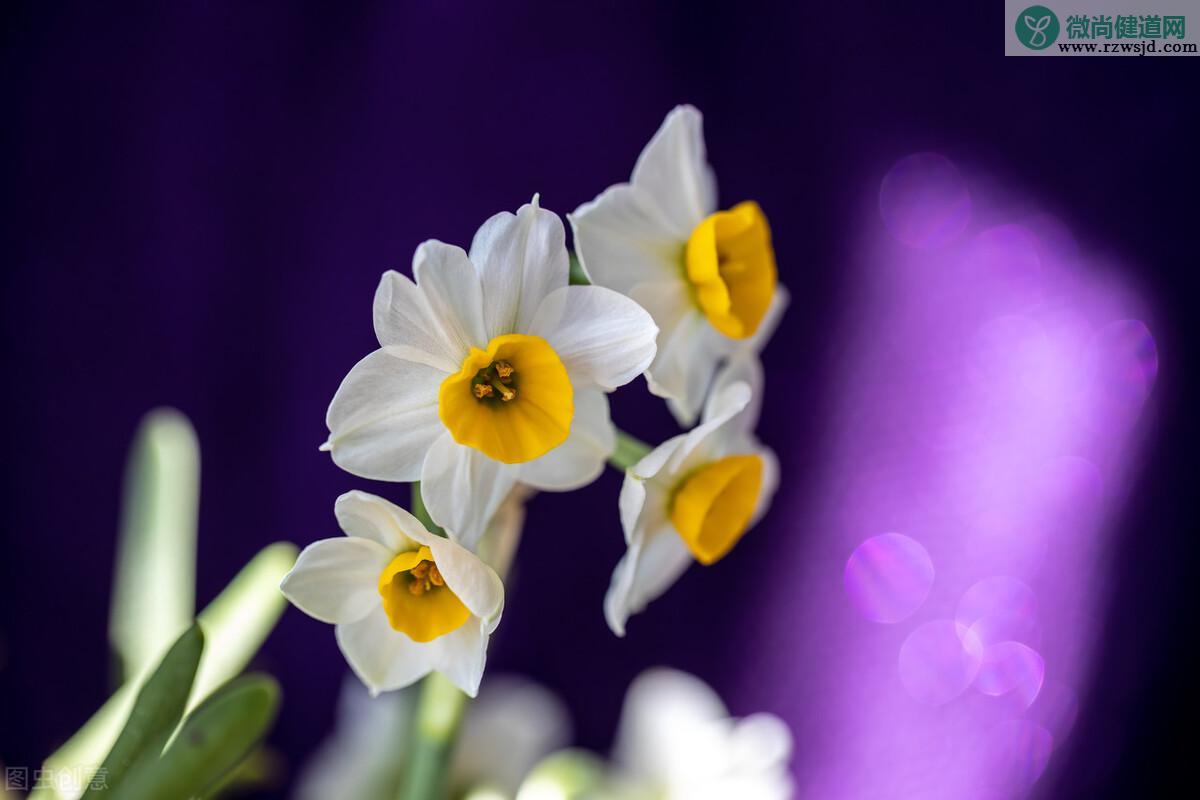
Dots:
pixel 640 486
pixel 462 488
pixel 475 583
pixel 429 321
pixel 743 367
pixel 674 171
pixel 384 416
pixel 667 302
pixel 580 459
pixel 684 365
pixel 383 658
pixel 630 504
pixel 455 295
pixel 604 339
pixel 770 482
pixel 622 240
pixel 701 442
pixel 335 580
pixel 461 655
pixel 370 517
pixel 664 709
pixel 647 570
pixel 521 258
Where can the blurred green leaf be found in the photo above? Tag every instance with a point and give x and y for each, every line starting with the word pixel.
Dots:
pixel 154 596
pixel 156 712
pixel 262 769
pixel 235 625
pixel 240 618
pixel 213 740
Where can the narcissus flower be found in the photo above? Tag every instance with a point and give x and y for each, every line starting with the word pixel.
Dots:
pixel 707 276
pixel 509 728
pixel 694 496
pixel 491 371
pixel 677 741
pixel 406 602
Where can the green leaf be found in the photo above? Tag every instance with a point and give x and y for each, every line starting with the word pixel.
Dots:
pixel 238 621
pixel 156 712
pixel 214 739
pixel 235 625
pixel 154 596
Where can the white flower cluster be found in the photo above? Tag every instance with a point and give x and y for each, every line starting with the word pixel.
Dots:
pixel 491 382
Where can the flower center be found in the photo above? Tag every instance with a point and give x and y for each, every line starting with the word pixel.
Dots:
pixel 731 267
pixel 496 381
pixel 417 600
pixel 712 507
pixel 513 401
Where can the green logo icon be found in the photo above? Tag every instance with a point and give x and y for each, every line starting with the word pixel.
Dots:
pixel 1037 27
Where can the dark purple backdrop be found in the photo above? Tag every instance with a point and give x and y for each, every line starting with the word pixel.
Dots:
pixel 200 201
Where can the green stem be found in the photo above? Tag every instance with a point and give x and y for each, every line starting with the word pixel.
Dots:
pixel 422 513
pixel 435 724
pixel 629 451
pixel 577 276
pixel 436 718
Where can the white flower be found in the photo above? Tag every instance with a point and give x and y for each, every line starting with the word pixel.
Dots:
pixel 405 602
pixel 677 739
pixel 492 371
pixel 706 276
pixel 693 496
pixel 512 725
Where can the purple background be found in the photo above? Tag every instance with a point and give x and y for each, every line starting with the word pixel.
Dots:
pixel 200 201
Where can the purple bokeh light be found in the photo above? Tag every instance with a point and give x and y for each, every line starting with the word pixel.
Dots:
pixel 990 380
pixel 939 660
pixel 888 577
pixel 1011 668
pixel 999 609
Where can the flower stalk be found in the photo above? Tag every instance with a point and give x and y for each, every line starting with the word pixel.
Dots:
pixel 435 725
pixel 436 717
pixel 630 450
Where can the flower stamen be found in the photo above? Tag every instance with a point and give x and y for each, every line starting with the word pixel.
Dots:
pixel 496 379
pixel 423 577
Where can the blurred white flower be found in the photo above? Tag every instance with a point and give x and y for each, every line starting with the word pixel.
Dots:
pixel 491 371
pixel 707 277
pixel 512 725
pixel 677 741
pixel 693 496
pixel 405 602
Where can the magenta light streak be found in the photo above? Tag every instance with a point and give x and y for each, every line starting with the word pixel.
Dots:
pixel 991 378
